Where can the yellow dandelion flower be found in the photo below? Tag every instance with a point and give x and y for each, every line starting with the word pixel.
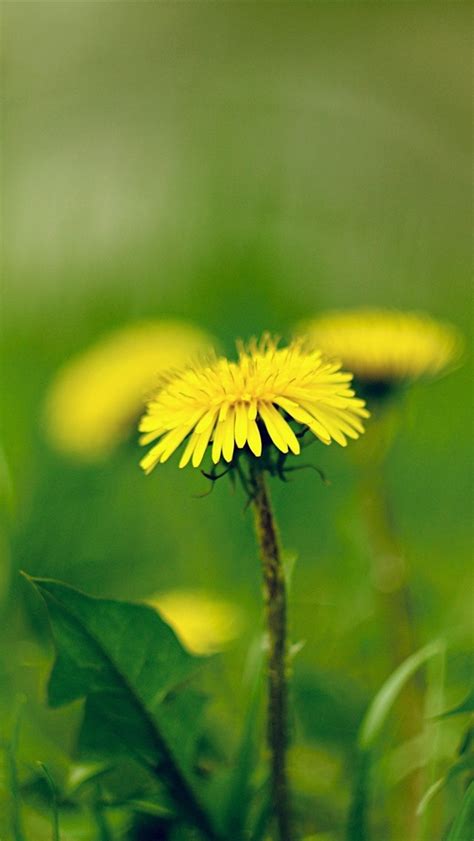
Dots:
pixel 385 346
pixel 204 623
pixel 267 397
pixel 96 398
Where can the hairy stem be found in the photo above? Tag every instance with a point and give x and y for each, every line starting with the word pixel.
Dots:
pixel 274 590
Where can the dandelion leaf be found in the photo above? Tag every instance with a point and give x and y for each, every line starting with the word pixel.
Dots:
pixel 130 667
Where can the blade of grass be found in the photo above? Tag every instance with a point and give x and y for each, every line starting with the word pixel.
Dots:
pixel 98 811
pixel 263 817
pixel 386 696
pixel 467 706
pixel 460 767
pixel 11 750
pixel 54 801
pixel 358 828
pixel 433 706
pixel 461 829
pixel 358 824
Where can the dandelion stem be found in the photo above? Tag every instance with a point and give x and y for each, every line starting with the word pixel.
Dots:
pixel 274 589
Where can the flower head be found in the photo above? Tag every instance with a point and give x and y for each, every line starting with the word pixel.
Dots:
pixel 267 397
pixel 205 623
pixel 96 398
pixel 385 346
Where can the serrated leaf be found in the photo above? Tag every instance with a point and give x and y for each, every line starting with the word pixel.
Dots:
pixel 131 640
pixel 125 660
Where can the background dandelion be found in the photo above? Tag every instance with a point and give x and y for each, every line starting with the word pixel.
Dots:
pixel 386 348
pixel 204 622
pixel 389 351
pixel 96 397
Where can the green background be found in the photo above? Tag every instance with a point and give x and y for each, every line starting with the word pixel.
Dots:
pixel 241 166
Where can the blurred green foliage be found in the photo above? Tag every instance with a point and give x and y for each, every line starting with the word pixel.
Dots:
pixel 242 166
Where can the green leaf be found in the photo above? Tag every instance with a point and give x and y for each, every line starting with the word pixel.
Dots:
pixel 461 829
pixel 466 764
pixel 386 696
pixel 82 774
pixel 329 708
pixel 54 801
pixel 372 724
pixel 358 820
pixel 239 798
pixel 128 663
pixel 148 807
pixel 466 706
pixel 12 775
pixel 262 817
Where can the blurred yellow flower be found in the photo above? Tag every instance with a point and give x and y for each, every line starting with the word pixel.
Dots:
pixel 97 397
pixel 250 404
pixel 385 346
pixel 204 623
